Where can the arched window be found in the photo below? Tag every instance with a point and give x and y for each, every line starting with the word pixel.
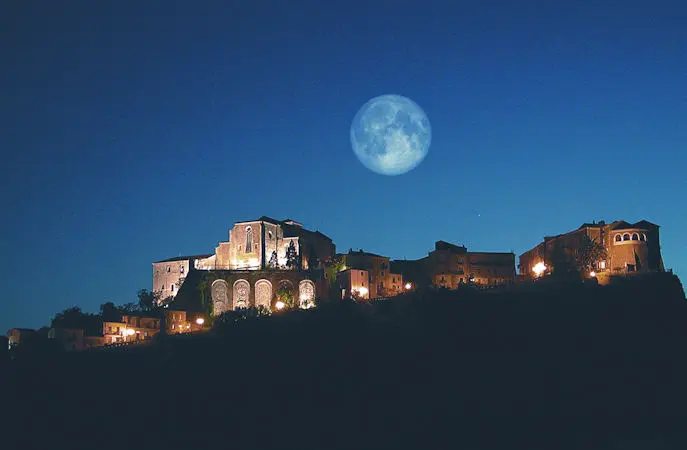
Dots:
pixel 643 237
pixel 626 237
pixel 249 240
pixel 635 237
pixel 618 238
pixel 169 269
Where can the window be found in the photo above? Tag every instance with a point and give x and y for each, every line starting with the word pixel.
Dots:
pixel 181 269
pixel 163 286
pixel 630 267
pixel 361 274
pixel 618 238
pixel 602 264
pixel 171 287
pixel 169 269
pixel 635 237
pixel 626 237
pixel 642 237
pixel 249 240
pixel 382 273
pixel 269 234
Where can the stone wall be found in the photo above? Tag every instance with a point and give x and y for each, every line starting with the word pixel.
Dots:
pixel 235 289
pixel 166 275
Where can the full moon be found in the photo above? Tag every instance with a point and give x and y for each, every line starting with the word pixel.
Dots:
pixel 391 134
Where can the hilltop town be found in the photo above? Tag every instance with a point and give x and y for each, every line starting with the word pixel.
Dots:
pixel 271 265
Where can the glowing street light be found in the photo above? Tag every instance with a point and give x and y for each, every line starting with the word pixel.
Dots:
pixel 279 305
pixel 408 286
pixel 200 321
pixel 539 268
pixel 592 274
pixel 130 331
pixel 363 291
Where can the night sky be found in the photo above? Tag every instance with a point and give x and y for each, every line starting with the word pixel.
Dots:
pixel 137 131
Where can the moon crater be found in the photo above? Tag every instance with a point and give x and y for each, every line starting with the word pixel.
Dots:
pixel 390 135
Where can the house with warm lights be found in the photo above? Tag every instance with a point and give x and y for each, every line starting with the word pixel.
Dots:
pixel 631 248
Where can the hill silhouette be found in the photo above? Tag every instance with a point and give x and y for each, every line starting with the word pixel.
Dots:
pixel 556 366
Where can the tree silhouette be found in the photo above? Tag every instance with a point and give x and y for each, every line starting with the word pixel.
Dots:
pixel 313 260
pixel 273 262
pixel 589 254
pixel 148 300
pixel 292 257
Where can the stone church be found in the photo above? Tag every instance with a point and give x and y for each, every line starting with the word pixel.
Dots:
pixel 259 258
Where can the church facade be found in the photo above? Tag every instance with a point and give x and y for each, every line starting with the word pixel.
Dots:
pixel 260 257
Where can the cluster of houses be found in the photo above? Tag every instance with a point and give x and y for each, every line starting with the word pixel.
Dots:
pixel 267 261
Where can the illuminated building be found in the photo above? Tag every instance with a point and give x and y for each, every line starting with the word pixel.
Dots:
pixel 630 248
pixel 261 258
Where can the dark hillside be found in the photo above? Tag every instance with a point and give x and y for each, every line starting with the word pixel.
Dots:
pixel 552 367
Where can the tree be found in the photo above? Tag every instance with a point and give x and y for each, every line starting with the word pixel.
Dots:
pixel 562 260
pixel 285 296
pixel 273 262
pixel 313 260
pixel 589 254
pixel 75 319
pixel 110 312
pixel 334 266
pixel 148 300
pixel 292 257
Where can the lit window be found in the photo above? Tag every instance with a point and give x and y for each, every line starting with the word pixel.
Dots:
pixel 618 238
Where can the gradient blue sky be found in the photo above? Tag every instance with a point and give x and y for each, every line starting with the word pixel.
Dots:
pixel 136 131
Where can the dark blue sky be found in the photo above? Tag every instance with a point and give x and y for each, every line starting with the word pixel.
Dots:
pixel 135 131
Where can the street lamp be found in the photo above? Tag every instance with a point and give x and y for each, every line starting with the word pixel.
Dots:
pixel 279 305
pixel 200 321
pixel 539 269
pixel 408 286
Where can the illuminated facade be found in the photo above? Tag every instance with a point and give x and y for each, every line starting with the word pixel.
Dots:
pixel 261 245
pixel 630 248
pixel 382 282
pixel 449 266
pixel 354 283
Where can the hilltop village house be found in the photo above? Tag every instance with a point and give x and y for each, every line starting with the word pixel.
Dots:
pixel 367 275
pixel 449 266
pixel 260 258
pixel 631 248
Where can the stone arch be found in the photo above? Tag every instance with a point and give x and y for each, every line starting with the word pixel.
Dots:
pixel 241 294
pixel 263 293
pixel 289 286
pixel 219 291
pixel 306 294
pixel 626 237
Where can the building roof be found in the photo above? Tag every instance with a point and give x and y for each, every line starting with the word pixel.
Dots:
pixel 443 245
pixel 364 253
pixel 184 258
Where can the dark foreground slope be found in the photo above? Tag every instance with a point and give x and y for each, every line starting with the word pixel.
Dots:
pixel 569 367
